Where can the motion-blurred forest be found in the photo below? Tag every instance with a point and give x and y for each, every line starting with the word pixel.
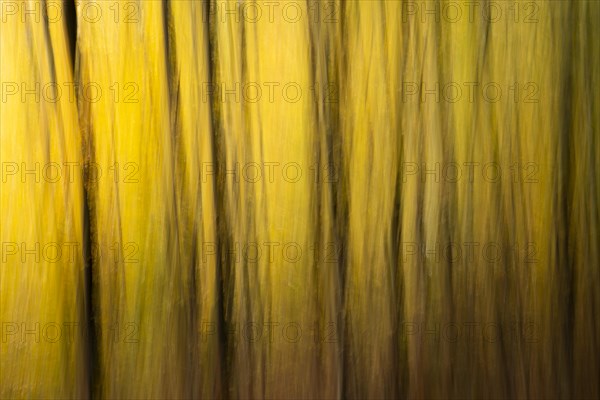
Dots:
pixel 300 199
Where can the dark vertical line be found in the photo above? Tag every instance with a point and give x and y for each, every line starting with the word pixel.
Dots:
pixel 566 243
pixel 91 340
pixel 218 199
pixel 316 201
pixel 246 295
pixel 340 212
pixel 71 25
pixel 91 294
pixel 170 62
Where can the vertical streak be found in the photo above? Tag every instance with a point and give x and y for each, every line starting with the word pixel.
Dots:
pixel 42 302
